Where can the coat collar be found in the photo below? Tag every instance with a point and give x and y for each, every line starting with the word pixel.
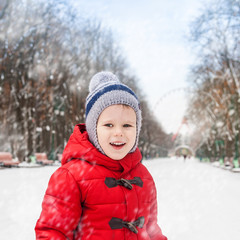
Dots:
pixel 80 147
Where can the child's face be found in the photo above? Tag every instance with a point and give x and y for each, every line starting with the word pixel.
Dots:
pixel 116 131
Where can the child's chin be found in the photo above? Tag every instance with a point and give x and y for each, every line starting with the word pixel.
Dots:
pixel 117 157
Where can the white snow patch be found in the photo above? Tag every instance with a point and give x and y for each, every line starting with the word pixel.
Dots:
pixel 195 200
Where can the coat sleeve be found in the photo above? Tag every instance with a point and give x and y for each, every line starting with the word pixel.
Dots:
pixel 61 208
pixel 153 229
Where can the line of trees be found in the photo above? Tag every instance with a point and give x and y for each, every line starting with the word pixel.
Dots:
pixel 48 53
pixel 215 105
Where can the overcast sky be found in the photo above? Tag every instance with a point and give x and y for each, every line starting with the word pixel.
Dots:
pixel 153 38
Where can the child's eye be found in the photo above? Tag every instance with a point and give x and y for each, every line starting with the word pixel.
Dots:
pixel 108 125
pixel 127 125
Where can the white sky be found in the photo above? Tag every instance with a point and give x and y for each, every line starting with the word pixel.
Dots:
pixel 152 34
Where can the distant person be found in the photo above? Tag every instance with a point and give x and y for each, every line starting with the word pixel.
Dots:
pixel 102 190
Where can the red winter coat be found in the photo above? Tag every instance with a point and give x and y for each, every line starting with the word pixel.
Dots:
pixel 92 197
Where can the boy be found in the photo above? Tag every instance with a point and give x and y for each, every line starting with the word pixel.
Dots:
pixel 102 191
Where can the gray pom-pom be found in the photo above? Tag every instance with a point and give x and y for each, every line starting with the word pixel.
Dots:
pixel 102 78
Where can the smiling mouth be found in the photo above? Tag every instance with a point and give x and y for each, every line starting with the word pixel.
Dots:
pixel 117 145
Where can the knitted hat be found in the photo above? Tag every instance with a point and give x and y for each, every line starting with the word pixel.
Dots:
pixel 105 90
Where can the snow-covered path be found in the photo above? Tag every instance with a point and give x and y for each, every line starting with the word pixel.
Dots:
pixel 196 200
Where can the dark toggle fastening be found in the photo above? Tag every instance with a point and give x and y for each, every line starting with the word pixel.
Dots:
pixel 118 223
pixel 113 182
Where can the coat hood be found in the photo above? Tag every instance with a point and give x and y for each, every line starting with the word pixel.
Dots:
pixel 81 148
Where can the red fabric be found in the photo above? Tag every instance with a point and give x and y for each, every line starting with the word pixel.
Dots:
pixel 78 205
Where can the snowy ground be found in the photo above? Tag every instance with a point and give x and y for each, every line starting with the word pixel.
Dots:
pixel 196 200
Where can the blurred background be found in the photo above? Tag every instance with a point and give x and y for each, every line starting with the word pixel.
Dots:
pixel 181 57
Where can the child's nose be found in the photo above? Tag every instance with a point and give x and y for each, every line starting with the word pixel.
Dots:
pixel 118 131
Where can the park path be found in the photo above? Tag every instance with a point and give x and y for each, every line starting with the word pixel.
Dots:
pixel 196 200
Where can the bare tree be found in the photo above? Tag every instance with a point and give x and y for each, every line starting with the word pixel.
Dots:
pixel 217 77
pixel 48 54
